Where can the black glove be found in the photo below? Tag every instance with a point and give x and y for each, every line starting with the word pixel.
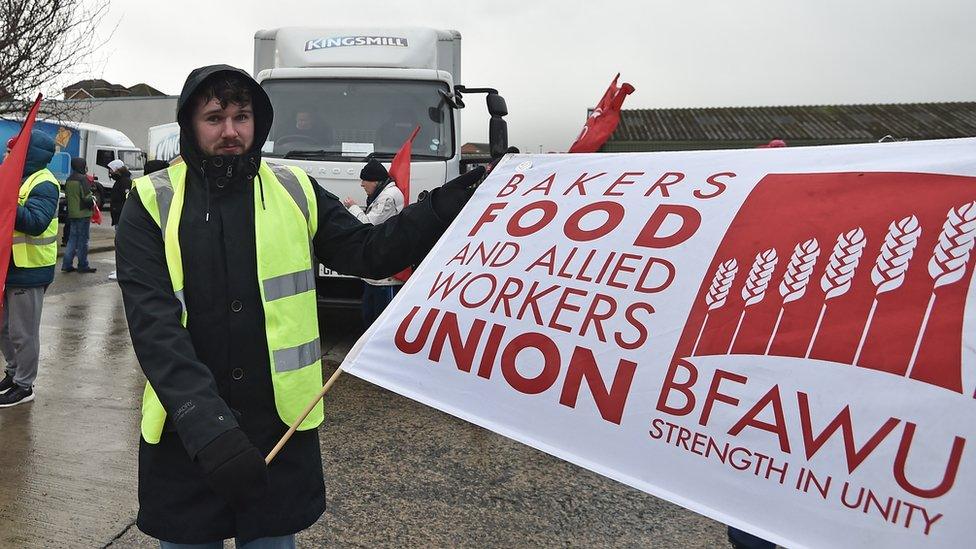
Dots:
pixel 450 198
pixel 235 469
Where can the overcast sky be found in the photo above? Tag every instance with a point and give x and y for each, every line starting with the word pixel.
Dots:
pixel 552 59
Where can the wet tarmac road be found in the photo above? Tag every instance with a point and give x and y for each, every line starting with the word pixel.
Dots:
pixel 397 473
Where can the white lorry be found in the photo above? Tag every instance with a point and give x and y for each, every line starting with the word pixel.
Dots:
pixel 98 145
pixel 341 95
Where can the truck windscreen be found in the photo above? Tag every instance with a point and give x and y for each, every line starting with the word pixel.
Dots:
pixel 338 119
pixel 132 159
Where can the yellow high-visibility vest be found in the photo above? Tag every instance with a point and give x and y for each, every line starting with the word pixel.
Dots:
pixel 283 228
pixel 42 250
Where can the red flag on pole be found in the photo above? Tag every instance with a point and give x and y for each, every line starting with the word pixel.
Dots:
pixel 602 122
pixel 400 173
pixel 11 173
pixel 400 167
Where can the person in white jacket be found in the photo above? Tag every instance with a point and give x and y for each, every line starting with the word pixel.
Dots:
pixel 383 201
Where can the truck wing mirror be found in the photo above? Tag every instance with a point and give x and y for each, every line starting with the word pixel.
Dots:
pixel 436 115
pixel 496 105
pixel 497 136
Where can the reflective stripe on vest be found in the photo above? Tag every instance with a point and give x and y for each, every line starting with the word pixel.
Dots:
pixel 285 222
pixel 32 251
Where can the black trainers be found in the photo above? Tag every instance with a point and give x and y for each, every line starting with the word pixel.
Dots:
pixel 68 270
pixel 15 396
pixel 87 270
pixel 6 384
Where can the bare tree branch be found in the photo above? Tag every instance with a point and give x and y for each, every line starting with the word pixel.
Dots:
pixel 44 46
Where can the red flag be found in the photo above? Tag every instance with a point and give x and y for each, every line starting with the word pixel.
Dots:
pixel 11 173
pixel 400 167
pixel 400 173
pixel 96 217
pixel 603 120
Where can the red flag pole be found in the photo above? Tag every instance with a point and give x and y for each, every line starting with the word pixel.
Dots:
pixel 11 173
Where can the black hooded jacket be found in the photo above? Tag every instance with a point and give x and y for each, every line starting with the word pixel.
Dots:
pixel 120 190
pixel 216 371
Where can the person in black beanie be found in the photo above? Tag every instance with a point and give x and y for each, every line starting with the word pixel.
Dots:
pixel 383 201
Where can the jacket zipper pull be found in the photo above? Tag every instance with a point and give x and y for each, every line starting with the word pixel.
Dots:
pixel 229 171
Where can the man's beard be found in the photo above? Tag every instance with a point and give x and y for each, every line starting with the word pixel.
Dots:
pixel 218 150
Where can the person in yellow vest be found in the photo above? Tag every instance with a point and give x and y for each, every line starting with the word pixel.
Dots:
pixel 216 261
pixel 31 270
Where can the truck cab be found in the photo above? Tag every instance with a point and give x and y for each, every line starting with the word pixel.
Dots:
pixel 344 95
pixel 100 145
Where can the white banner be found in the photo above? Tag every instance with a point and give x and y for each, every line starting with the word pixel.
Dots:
pixel 779 339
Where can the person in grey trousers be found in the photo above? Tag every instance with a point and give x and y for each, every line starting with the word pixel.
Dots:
pixel 24 291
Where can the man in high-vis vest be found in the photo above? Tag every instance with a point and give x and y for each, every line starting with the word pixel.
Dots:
pixel 216 260
pixel 31 270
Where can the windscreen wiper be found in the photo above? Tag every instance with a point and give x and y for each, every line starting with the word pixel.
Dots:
pixel 413 156
pixel 311 154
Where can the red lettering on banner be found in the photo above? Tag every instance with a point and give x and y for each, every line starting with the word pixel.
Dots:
pixel 511 186
pixel 611 402
pixel 596 318
pixel 550 363
pixel 415 346
pixel 564 305
pixel 580 181
pixel 713 181
pixel 665 181
pixel 581 275
pixel 546 260
pixel 624 179
pixel 651 262
pixel 446 287
pixel 491 351
pixel 505 296
pixel 532 301
pixel 751 419
pixel 620 267
pixel 548 208
pixel 642 332
pixel 544 186
pixel 465 299
pixel 949 476
pixel 671 384
pixel 615 214
pixel 714 395
pixel 841 421
pixel 690 221
pixel 462 350
pixel 488 215
pixel 564 270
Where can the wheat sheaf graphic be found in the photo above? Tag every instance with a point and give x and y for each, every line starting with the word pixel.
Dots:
pixel 718 292
pixel 757 282
pixel 839 272
pixel 891 265
pixel 795 279
pixel 948 263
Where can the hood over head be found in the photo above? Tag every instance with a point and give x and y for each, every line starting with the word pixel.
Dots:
pixel 235 167
pixel 40 151
pixel 79 165
pixel 154 166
